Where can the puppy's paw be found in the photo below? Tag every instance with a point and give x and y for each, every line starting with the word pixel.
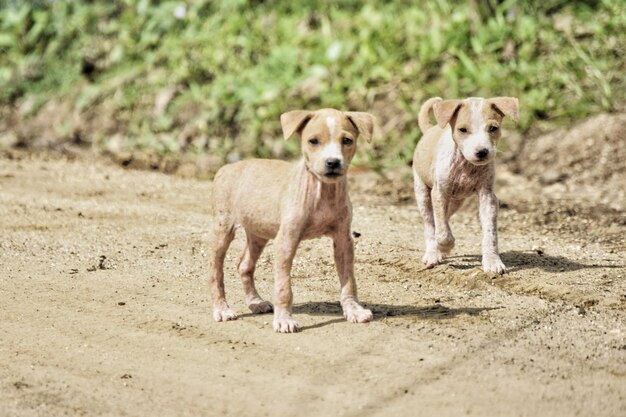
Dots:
pixel 224 313
pixel 360 315
pixel 284 323
pixel 432 258
pixel 259 306
pixel 493 264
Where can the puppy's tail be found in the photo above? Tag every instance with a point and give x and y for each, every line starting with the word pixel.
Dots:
pixel 423 119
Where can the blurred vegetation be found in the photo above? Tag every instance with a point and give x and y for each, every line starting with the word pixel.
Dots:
pixel 212 77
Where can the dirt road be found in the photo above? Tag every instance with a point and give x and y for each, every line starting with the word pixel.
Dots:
pixel 105 311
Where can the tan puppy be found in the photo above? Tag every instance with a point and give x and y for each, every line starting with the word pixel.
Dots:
pixel 454 160
pixel 290 202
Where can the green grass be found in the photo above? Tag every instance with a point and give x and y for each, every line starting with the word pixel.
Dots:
pixel 233 67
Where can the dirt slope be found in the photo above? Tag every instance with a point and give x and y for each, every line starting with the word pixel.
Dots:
pixel 105 312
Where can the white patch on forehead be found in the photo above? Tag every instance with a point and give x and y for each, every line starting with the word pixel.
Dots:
pixel 330 122
pixel 476 110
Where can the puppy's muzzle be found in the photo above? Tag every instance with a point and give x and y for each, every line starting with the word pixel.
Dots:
pixel 333 167
pixel 482 154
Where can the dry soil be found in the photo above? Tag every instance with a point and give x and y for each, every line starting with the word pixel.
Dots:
pixel 105 310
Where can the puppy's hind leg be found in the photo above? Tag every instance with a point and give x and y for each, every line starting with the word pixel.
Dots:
pixel 446 244
pixel 452 207
pixel 224 232
pixel 432 255
pixel 441 207
pixel 247 265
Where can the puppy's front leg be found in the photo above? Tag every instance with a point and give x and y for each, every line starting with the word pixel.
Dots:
pixel 443 234
pixel 488 208
pixel 286 243
pixel 344 261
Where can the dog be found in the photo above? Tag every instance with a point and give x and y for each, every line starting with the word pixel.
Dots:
pixel 453 160
pixel 290 202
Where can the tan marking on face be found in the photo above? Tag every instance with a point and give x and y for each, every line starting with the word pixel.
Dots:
pixel 492 119
pixel 474 116
pixel 477 117
pixel 329 128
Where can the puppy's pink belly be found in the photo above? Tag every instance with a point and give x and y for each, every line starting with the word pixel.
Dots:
pixel 461 192
pixel 269 231
pixel 265 231
pixel 315 232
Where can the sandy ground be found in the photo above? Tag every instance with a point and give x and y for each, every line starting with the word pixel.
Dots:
pixel 105 309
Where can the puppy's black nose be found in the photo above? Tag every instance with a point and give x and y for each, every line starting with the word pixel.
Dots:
pixel 333 163
pixel 482 154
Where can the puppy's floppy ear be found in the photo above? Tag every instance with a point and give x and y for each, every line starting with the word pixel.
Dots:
pixel 294 121
pixel 444 111
pixel 364 123
pixel 508 106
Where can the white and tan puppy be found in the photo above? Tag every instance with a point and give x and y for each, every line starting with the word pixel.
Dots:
pixel 454 160
pixel 273 199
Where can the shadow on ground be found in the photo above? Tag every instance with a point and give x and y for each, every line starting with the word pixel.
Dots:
pixel 381 311
pixel 522 260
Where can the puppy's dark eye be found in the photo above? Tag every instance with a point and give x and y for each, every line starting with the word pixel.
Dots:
pixel 314 141
pixel 347 141
pixel 493 128
pixel 462 130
